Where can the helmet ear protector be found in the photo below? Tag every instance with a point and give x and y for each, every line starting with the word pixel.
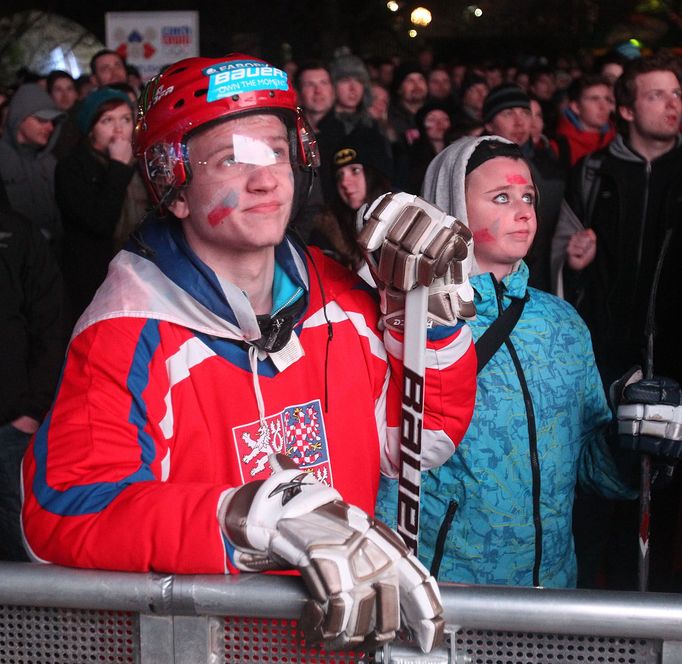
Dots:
pixel 197 92
pixel 307 141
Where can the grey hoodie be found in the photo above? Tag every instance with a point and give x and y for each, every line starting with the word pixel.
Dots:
pixel 444 180
pixel 27 172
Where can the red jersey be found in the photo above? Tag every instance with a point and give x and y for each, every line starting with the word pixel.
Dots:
pixel 165 404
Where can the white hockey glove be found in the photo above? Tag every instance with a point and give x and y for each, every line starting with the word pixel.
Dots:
pixel 649 414
pixel 359 572
pixel 418 244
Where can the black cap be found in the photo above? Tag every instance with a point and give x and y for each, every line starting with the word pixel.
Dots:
pixel 365 146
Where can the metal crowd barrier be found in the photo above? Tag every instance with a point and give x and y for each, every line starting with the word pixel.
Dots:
pixel 64 616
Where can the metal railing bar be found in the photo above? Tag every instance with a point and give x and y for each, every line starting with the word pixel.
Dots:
pixel 497 608
pixel 587 612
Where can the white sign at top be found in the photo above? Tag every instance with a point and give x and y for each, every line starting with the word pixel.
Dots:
pixel 151 40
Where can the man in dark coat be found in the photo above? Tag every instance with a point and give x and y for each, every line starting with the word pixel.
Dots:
pixel 26 160
pixel 628 198
pixel 31 350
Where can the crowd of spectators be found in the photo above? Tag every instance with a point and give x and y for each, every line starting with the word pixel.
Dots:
pixel 67 170
pixel 69 195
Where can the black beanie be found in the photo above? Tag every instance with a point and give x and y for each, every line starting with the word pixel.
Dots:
pixel 429 106
pixel 469 81
pixel 401 72
pixel 502 97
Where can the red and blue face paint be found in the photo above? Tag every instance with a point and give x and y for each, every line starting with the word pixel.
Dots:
pixel 224 209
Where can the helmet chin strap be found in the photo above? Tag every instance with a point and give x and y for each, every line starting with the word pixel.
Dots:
pixel 304 179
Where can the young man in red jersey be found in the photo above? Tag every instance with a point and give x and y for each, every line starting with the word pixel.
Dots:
pixel 229 392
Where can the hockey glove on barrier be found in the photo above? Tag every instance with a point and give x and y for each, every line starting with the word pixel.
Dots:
pixel 649 414
pixel 418 245
pixel 359 572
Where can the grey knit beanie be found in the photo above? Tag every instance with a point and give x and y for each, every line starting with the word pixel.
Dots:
pixel 349 66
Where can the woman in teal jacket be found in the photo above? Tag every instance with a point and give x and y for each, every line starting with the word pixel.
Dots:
pixel 503 502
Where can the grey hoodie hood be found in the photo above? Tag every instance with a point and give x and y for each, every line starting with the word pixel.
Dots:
pixel 27 171
pixel 444 180
pixel 30 99
pixel 620 149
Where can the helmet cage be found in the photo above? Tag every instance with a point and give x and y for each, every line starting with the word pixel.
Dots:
pixel 167 167
pixel 164 167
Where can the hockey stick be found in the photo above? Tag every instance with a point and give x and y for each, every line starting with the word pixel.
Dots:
pixel 411 416
pixel 644 518
pixel 645 464
pixel 645 480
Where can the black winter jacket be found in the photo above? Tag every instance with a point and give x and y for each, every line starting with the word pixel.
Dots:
pixel 90 190
pixel 634 203
pixel 32 338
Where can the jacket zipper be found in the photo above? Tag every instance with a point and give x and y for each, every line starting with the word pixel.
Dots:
pixel 642 224
pixel 291 300
pixel 275 327
pixel 532 442
pixel 441 538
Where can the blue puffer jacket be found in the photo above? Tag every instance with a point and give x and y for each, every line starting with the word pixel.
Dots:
pixel 514 474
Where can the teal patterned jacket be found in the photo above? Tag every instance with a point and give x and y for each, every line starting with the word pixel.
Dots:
pixel 514 490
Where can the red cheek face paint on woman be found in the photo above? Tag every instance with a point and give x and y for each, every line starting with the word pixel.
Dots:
pixel 224 209
pixel 483 235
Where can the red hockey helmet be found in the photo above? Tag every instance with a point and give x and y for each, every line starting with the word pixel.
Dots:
pixel 196 92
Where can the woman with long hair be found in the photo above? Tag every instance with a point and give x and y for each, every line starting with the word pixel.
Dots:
pixel 362 171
